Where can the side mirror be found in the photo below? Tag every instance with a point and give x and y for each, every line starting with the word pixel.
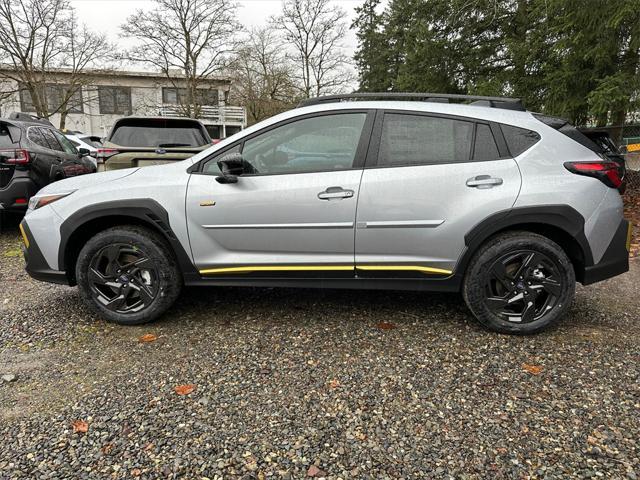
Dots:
pixel 84 152
pixel 232 166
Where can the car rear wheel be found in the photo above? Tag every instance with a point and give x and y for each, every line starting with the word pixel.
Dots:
pixel 128 275
pixel 519 283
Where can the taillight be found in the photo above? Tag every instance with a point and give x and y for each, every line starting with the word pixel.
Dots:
pixel 103 153
pixel 15 157
pixel 607 172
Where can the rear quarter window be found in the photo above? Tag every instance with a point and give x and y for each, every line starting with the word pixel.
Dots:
pixel 158 133
pixel 519 140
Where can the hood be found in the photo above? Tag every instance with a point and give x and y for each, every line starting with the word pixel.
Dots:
pixel 89 180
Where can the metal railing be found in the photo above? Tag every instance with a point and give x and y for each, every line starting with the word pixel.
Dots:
pixel 218 114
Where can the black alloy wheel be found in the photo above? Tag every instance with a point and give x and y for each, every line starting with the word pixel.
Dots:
pixel 522 286
pixel 123 278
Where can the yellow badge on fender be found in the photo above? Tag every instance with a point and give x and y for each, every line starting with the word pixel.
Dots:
pixel 207 203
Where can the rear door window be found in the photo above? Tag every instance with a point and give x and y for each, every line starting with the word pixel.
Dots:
pixel 485 145
pixel 158 133
pixel 422 140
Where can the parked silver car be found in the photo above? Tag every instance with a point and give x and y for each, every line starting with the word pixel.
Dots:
pixel 389 192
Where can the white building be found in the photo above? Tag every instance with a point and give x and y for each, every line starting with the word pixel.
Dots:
pixel 112 95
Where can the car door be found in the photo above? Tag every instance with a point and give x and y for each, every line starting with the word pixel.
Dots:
pixel 293 212
pixel 429 179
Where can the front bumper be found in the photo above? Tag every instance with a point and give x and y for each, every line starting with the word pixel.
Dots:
pixel 615 260
pixel 36 265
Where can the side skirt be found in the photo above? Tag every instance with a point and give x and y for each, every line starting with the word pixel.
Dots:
pixel 451 284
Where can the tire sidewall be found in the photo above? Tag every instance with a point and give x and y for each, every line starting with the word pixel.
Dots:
pixel 479 271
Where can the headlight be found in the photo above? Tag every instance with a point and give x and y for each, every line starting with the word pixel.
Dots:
pixel 38 201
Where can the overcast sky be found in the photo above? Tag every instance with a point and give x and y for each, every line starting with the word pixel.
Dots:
pixel 108 15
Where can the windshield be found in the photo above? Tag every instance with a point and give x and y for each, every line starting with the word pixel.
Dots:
pixel 158 133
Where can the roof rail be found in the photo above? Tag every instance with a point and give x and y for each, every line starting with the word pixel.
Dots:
pixel 480 100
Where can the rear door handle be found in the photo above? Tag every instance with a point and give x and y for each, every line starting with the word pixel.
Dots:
pixel 333 193
pixel 484 181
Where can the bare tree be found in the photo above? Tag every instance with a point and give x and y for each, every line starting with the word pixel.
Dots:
pixel 264 80
pixel 315 30
pixel 32 34
pixel 193 37
pixel 46 55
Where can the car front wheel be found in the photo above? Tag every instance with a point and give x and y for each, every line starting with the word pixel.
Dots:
pixel 128 275
pixel 520 283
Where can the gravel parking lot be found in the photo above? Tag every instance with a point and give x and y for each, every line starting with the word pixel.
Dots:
pixel 303 383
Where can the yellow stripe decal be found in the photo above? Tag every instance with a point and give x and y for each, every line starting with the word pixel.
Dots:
pixel 303 268
pixel 414 268
pixel 278 268
pixel 629 235
pixel 25 239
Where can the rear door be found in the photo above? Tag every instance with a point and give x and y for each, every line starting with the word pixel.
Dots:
pixel 429 179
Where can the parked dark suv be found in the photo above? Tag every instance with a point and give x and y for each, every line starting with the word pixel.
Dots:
pixel 33 154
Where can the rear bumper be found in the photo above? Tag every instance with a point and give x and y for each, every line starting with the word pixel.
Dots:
pixel 36 265
pixel 615 260
pixel 18 187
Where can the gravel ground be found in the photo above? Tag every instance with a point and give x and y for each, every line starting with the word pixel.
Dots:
pixel 304 383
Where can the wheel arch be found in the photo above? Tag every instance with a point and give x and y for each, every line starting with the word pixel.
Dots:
pixel 560 223
pixel 76 230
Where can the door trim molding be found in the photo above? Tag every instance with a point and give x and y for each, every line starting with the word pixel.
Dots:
pixel 262 226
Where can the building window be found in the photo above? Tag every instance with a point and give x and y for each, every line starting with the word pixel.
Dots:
pixel 178 96
pixel 55 95
pixel 115 100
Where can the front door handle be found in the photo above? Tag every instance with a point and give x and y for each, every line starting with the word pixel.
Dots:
pixel 484 181
pixel 333 193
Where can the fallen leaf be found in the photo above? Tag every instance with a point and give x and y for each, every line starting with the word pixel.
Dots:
pixel 386 326
pixel 106 448
pixel 136 472
pixel 184 389
pixel 315 472
pixel 333 384
pixel 149 446
pixel 361 436
pixel 80 426
pixel 532 369
pixel 148 338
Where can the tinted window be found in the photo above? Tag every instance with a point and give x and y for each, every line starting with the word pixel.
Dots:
pixel 485 148
pixel 93 141
pixel 35 135
pixel 519 139
pixel 419 139
pixel 51 139
pixel 212 165
pixel 309 145
pixel 115 100
pixel 158 133
pixel 66 144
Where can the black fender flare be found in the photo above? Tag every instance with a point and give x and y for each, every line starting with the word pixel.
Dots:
pixel 562 217
pixel 146 210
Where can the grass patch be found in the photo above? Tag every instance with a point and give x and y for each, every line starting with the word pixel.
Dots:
pixel 13 253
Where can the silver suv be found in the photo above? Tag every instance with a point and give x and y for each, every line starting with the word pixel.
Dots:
pixel 409 192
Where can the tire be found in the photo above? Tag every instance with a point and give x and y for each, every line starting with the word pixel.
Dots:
pixel 128 275
pixel 519 283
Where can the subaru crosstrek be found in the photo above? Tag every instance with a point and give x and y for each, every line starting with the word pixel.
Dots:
pixel 361 191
